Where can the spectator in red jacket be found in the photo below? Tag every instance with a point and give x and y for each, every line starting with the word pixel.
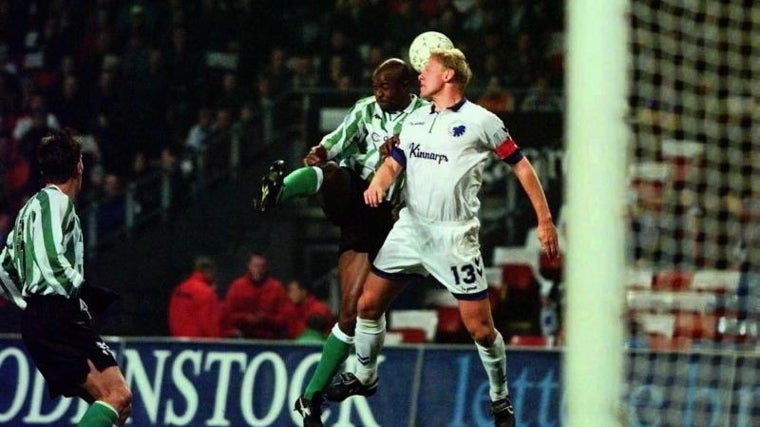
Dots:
pixel 194 307
pixel 303 305
pixel 256 303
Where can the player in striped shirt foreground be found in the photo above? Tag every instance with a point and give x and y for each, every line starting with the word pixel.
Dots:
pixel 443 150
pixel 41 269
pixel 357 147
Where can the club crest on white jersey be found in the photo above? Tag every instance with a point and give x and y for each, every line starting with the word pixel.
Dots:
pixel 445 153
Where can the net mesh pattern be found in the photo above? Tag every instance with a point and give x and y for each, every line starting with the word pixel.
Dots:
pixel 694 210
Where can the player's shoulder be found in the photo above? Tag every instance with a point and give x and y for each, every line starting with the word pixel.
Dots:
pixel 363 103
pixel 417 118
pixel 364 108
pixel 53 196
pixel 241 282
pixel 273 282
pixel 478 112
pixel 204 290
pixel 418 103
pixel 420 108
pixel 475 113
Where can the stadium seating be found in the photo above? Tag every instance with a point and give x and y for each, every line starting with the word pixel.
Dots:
pixel 716 280
pixel 678 309
pixel 450 328
pixel 414 325
pixel 411 335
pixel 528 341
pixel 672 280
pixel 550 269
pixel 682 156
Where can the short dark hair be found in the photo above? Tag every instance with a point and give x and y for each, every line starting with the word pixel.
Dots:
pixel 59 154
pixel 405 74
pixel 257 253
pixel 301 283
pixel 204 263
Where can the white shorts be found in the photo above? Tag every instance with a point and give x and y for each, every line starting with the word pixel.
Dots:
pixel 449 251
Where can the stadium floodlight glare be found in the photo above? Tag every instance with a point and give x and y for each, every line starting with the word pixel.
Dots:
pixel 596 144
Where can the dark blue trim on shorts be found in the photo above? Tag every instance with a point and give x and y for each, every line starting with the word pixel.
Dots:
pixel 472 297
pixel 397 277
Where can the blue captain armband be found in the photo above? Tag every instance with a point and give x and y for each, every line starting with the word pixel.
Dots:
pixel 398 155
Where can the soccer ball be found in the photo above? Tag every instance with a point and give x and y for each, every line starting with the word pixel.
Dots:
pixel 419 50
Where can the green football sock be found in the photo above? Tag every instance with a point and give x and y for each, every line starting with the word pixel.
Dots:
pixel 301 182
pixel 334 353
pixel 99 414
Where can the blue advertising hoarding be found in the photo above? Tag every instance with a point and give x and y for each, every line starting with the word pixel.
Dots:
pixel 246 383
pixel 453 389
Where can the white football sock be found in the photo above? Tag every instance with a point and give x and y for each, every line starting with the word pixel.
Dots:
pixel 369 339
pixel 320 177
pixel 494 361
pixel 348 339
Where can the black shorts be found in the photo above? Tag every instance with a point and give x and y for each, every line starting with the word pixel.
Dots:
pixel 59 336
pixel 362 228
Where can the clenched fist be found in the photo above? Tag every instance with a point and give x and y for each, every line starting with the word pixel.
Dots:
pixel 385 149
pixel 316 157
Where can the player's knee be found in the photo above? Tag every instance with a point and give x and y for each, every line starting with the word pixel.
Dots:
pixel 483 334
pixel 330 171
pixel 121 399
pixel 369 310
pixel 123 415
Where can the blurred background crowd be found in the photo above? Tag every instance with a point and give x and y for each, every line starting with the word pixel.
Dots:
pixel 134 77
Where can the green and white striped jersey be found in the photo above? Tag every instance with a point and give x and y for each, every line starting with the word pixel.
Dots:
pixel 10 286
pixel 356 142
pixel 44 253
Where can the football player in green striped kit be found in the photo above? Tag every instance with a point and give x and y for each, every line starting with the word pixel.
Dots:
pixel 338 170
pixel 42 268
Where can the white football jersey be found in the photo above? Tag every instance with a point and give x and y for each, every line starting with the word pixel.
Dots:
pixel 444 154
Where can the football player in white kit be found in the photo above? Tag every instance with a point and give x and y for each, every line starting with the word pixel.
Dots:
pixel 443 151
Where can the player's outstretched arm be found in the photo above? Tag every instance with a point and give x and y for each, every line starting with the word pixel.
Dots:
pixel 547 232
pixel 384 177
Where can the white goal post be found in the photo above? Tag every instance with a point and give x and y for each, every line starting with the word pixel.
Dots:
pixel 663 214
pixel 596 143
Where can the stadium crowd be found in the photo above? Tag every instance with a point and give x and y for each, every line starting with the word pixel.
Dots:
pixel 133 77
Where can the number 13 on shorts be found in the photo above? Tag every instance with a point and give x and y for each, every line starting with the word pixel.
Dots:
pixel 468 277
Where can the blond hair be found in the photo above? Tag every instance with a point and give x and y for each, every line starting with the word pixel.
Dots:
pixel 455 60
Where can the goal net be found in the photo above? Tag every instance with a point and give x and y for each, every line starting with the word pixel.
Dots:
pixel 691 296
